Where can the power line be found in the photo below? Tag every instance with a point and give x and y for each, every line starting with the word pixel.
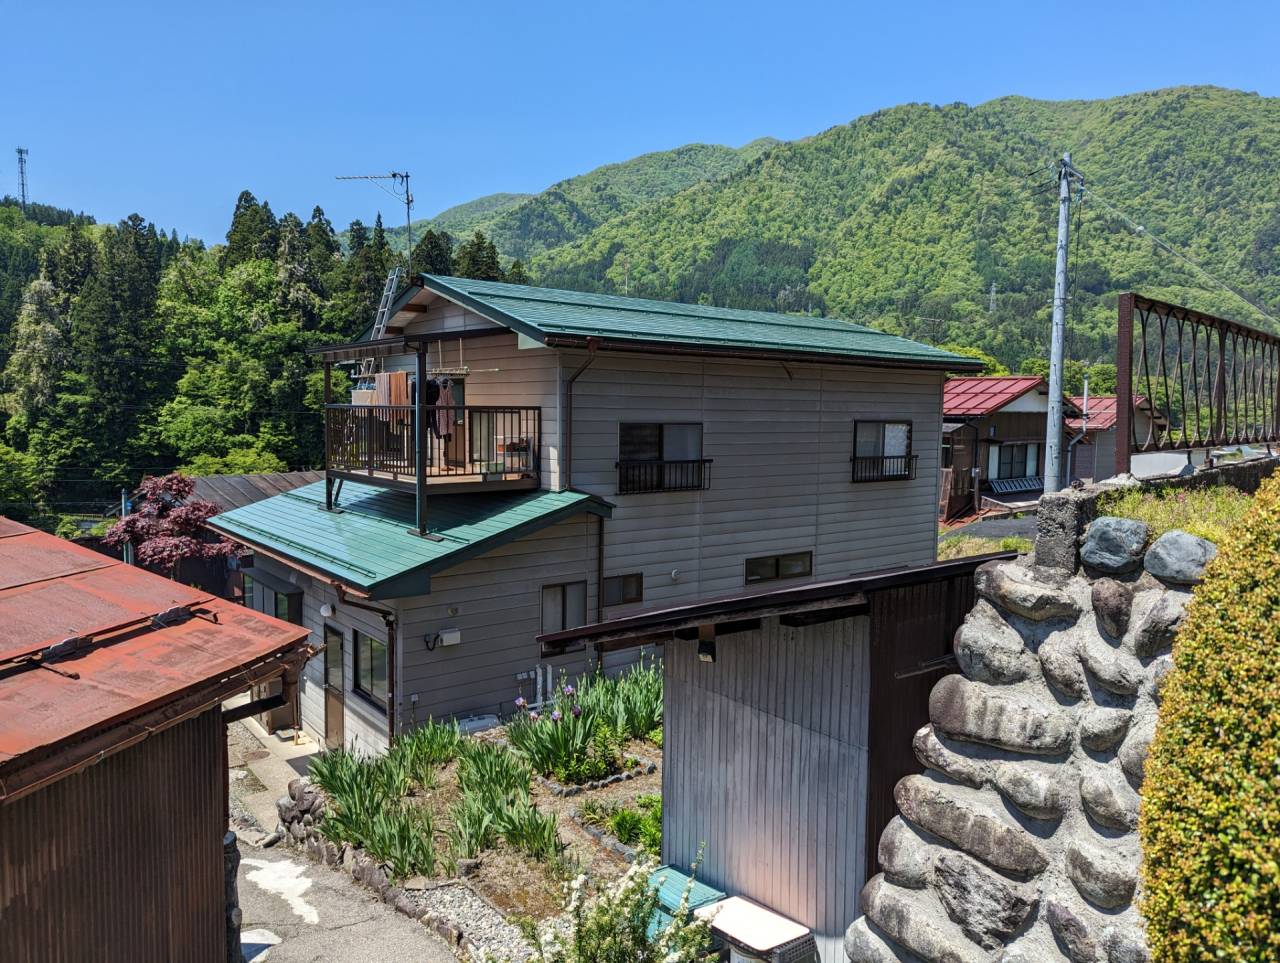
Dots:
pixel 1169 249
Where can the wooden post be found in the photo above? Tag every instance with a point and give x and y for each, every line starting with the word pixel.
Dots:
pixel 419 442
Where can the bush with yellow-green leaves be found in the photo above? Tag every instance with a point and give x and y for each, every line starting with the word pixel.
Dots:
pixel 1211 810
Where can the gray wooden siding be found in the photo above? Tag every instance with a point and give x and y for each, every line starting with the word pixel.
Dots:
pixel 780 481
pixel 365 724
pixel 765 769
pixel 496 602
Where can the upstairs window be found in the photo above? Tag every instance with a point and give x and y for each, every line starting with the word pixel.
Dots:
pixel 661 457
pixel 882 451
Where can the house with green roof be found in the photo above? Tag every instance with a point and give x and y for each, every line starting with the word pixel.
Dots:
pixel 514 461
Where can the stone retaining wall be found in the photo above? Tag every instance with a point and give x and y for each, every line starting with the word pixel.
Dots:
pixel 1018 843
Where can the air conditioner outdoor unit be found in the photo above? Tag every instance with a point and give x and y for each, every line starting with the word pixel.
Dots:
pixel 753 934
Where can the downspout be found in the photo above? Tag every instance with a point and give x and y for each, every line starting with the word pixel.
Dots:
pixel 599 584
pixel 1084 430
pixel 566 442
pixel 975 470
pixel 393 654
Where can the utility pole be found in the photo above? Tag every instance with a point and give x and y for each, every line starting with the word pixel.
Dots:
pixel 22 177
pixel 1053 440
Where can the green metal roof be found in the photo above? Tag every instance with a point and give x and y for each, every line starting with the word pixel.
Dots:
pixel 540 313
pixel 369 543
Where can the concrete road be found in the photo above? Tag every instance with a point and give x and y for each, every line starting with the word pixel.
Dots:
pixel 295 911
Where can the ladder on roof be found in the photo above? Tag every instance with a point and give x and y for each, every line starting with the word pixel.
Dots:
pixel 380 319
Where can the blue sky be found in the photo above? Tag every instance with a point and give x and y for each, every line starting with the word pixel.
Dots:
pixel 171 109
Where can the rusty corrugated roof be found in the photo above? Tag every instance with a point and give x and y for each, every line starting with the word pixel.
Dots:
pixel 124 663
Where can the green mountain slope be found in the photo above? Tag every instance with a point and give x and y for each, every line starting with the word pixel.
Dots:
pixel 906 218
pixel 522 225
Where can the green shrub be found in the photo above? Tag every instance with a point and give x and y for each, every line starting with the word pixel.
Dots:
pixel 1211 809
pixel 492 773
pixel 1207 512
pixel 639 824
pixel 571 744
pixel 613 926
pixel 403 837
pixel 425 749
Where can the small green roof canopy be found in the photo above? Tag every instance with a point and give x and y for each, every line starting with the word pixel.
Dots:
pixel 368 543
pixel 566 318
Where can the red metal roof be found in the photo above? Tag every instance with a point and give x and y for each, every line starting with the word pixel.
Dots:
pixel 1102 411
pixel 974 397
pixel 124 663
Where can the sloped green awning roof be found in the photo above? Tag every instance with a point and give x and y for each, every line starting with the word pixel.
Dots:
pixel 368 543
pixel 566 317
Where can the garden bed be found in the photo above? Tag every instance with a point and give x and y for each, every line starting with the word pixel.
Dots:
pixel 485 824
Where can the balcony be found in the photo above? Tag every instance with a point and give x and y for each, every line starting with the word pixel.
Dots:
pixel 636 476
pixel 464 447
pixel 875 468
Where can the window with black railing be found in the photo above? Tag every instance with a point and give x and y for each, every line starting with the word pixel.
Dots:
pixel 656 457
pixel 882 451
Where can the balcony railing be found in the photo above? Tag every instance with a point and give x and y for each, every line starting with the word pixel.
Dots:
pixel 874 468
pixel 635 477
pixel 459 442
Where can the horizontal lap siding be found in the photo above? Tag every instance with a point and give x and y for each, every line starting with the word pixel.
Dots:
pixel 780 480
pixel 365 725
pixel 765 768
pixel 498 602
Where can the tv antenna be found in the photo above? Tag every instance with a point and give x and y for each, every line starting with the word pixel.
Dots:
pixel 399 189
pixel 22 176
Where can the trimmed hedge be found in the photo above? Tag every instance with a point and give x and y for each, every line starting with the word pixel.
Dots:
pixel 1211 800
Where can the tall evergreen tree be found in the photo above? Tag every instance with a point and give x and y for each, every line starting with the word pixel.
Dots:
pixel 322 243
pixel 69 265
pixel 39 354
pixel 380 248
pixel 298 289
pixel 253 232
pixel 516 274
pixel 478 259
pixel 433 254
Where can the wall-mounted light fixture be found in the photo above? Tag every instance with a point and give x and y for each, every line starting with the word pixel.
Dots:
pixel 326 611
pixel 706 650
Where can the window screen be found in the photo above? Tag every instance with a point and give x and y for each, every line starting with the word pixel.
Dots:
pixel 640 442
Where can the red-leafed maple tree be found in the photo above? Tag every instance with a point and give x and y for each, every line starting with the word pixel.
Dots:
pixel 168 525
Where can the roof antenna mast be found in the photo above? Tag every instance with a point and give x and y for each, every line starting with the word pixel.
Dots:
pixel 22 177
pixel 400 191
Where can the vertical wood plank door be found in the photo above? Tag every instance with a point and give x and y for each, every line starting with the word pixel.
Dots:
pixel 334 689
pixel 910 627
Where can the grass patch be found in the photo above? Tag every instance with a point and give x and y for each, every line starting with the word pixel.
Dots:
pixel 963 546
pixel 1207 512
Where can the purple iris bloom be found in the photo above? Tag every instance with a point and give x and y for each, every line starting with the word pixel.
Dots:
pixel 577 711
pixel 534 715
pixel 521 702
pixel 569 690
pixel 555 716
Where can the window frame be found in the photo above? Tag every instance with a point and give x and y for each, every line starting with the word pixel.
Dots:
pixel 330 630
pixel 777 561
pixel 620 580
pixel 695 477
pixel 358 638
pixel 564 620
pixel 860 466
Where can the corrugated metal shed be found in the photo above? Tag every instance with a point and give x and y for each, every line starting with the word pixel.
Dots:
pixel 236 491
pixel 369 543
pixel 542 312
pixel 83 654
pixel 974 397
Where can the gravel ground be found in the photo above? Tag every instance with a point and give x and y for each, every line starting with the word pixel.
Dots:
pixel 479 921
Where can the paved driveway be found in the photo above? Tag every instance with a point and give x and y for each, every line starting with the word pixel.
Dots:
pixel 296 910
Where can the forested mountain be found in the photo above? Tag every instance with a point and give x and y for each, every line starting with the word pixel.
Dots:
pixel 907 218
pixel 126 351
pixel 522 225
